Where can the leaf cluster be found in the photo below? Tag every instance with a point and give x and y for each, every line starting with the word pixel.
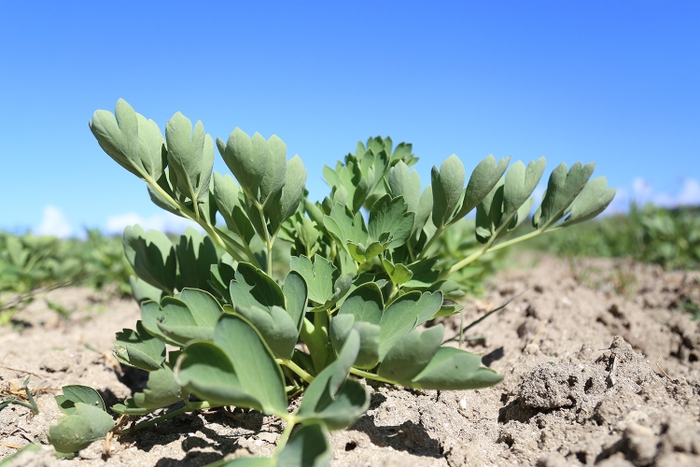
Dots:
pixel 219 326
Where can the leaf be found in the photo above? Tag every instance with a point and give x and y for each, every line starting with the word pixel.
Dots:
pixel 246 158
pixel 195 255
pixel 453 368
pixel 593 199
pixel 562 189
pixel 368 355
pixel 152 255
pixel 447 186
pixel 307 447
pixel 251 286
pixel 520 183
pixel 365 303
pixel 345 226
pixel 162 390
pixel 332 398
pixel 295 294
pixel 205 369
pixel 292 194
pixel 139 349
pixel 276 327
pixel 398 273
pixel 82 427
pixel 410 355
pixel 275 170
pixel 191 156
pixel 176 323
pixel 404 314
pixel 132 141
pixel 482 180
pixel 390 215
pixel 489 213
pixel 254 364
pixel 143 291
pixel 74 394
pixel 403 183
pixel 319 276
pixel 226 193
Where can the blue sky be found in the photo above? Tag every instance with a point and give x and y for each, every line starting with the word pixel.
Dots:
pixel 613 82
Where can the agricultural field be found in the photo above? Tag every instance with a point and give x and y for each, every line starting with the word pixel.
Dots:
pixel 377 327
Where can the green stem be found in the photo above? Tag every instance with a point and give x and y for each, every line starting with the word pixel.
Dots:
pixel 190 215
pixel 488 248
pixel 296 369
pixel 368 375
pixel 187 408
pixel 427 246
pixel 284 438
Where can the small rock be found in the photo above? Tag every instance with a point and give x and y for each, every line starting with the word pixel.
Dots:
pixel 640 444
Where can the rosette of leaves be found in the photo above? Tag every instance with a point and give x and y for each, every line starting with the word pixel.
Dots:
pixel 365 275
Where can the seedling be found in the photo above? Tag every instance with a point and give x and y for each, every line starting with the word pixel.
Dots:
pixel 367 272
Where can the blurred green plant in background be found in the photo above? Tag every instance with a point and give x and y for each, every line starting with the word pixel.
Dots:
pixel 650 234
pixel 31 265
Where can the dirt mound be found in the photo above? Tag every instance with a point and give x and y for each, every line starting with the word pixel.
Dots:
pixel 601 369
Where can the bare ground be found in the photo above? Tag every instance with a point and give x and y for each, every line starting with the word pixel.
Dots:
pixel 601 369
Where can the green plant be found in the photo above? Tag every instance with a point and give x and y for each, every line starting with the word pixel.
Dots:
pixel 31 265
pixel 368 269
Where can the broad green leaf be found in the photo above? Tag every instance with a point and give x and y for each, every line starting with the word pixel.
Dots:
pixel 453 368
pixel 365 303
pixel 362 253
pixel 345 226
pixel 482 180
pixel 562 189
pixel 152 255
pixel 368 355
pixel 447 186
pixel 251 286
pixel 403 183
pixel 130 139
pixel 254 364
pixel 74 394
pixel 203 307
pixel 398 273
pixel 246 158
pixel 307 447
pixel 226 194
pixel 251 462
pixel 520 183
pixel 275 170
pixel 85 425
pixel 390 216
pixel 139 349
pixel 593 199
pixel 173 322
pixel 276 327
pixel 205 369
pixel 143 291
pixel 292 193
pixel 296 294
pixel 195 255
pixel 425 208
pixel 410 354
pixel 489 213
pixel 404 314
pixel 332 398
pixel 319 276
pixel 162 390
pixel 191 156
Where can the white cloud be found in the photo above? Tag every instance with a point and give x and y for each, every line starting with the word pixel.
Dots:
pixel 165 222
pixel 687 195
pixel 54 223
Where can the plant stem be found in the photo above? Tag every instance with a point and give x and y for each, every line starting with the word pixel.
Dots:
pixel 296 369
pixel 427 246
pixel 284 438
pixel 187 408
pixel 488 248
pixel 368 375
